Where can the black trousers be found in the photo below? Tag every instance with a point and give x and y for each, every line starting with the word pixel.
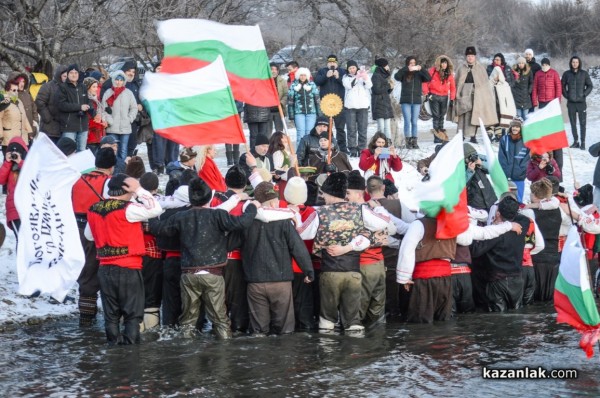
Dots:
pixel 545 278
pixel 257 128
pixel 462 294
pixel 430 300
pixel 392 293
pixel 122 296
pixel 306 301
pixel 236 298
pixel 275 122
pixel 340 131
pixel 171 293
pixel 89 285
pixel 528 285
pixel 505 294
pixel 152 271
pixel 577 109
pixel 439 107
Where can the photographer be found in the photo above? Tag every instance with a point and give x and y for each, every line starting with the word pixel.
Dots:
pixel 480 193
pixel 379 159
pixel 75 108
pixel 9 174
pixel 542 165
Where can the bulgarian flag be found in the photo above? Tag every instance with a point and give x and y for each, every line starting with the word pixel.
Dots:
pixel 444 195
pixel 191 44
pixel 499 180
pixel 193 108
pixel 544 129
pixel 573 298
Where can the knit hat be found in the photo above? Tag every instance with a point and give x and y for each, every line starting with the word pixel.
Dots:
pixel 118 75
pixel 545 61
pixel 530 51
pixel 88 82
pixel 71 67
pixel 356 181
pixel 303 71
pixel 105 158
pixel 66 145
pixel 295 192
pixel 186 155
pixel 135 167
pixel 381 62
pixel 109 140
pixel 324 134
pixel 115 185
pixel 323 121
pixel 351 63
pixel 199 192
pixel 332 58
pixel 129 65
pixel 261 139
pixel 470 51
pixel 469 150
pixel 336 185
pixel 390 188
pixel 149 181
pixel 96 74
pixel 521 60
pixel 517 121
pixel 264 192
pixel 236 178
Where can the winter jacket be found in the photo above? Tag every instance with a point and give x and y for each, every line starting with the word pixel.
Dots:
pixel 480 193
pixel 212 176
pixel 203 234
pixel 435 86
pixel 318 159
pixel 514 158
pixel 546 87
pixel 357 91
pixel 264 159
pixel 523 87
pixel 381 103
pixel 70 98
pixel 303 99
pixel 576 84
pixel 331 85
pixel 482 103
pixel 595 152
pixel 174 170
pixel 282 92
pixel 96 130
pixel 123 112
pixel 535 67
pixel 309 144
pixel 507 71
pixel 368 162
pixel 267 252
pixel 14 123
pixel 26 98
pixel 9 177
pixel 412 89
pixel 534 173
pixel 47 104
pixel 256 114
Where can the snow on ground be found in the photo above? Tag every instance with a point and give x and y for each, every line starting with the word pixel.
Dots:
pixel 16 309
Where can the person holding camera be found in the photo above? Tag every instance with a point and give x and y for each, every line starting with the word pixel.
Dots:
pixel 13 120
pixel 9 174
pixel 379 159
pixel 542 165
pixel 480 193
pixel 356 106
pixel 75 108
pixel 329 81
pixel 318 157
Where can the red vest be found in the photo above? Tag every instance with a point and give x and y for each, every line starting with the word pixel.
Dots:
pixel 118 241
pixel 84 195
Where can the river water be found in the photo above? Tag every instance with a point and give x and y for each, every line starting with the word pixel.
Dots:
pixel 445 359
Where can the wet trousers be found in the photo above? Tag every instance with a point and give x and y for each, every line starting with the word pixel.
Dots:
pixel 372 306
pixel 430 300
pixel 505 294
pixel 271 307
pixel 340 291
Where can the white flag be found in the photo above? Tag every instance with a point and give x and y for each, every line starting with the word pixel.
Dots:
pixel 49 253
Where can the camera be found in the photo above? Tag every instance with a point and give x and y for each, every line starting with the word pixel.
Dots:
pixel 332 67
pixel 549 169
pixel 472 158
pixel 14 156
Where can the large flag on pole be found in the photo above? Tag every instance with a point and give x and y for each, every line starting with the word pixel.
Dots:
pixel 193 108
pixel 544 130
pixel 444 194
pixel 191 44
pixel 573 297
pixel 49 253
pixel 499 180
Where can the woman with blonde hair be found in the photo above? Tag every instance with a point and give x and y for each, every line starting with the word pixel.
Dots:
pixel 208 169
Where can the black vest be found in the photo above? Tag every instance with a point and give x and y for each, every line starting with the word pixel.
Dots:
pixel 548 222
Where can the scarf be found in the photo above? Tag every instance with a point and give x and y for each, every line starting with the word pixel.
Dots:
pixel 116 92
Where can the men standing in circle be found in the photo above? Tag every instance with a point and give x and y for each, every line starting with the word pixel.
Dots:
pixel 576 86
pixel 474 97
pixel 329 81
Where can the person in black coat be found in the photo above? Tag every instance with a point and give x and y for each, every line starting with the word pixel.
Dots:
pixel 480 193
pixel 75 108
pixel 576 86
pixel 257 118
pixel 310 142
pixel 523 87
pixel 381 103
pixel 329 81
pixel 595 152
pixel 535 67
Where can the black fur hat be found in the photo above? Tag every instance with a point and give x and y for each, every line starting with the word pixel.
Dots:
pixel 115 185
pixel 312 193
pixel 356 181
pixel 199 192
pixel 149 181
pixel 390 188
pixel 584 196
pixel 470 51
pixel 336 185
pixel 236 178
pixel 66 145
pixel 105 158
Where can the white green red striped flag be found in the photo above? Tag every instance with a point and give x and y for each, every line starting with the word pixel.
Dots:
pixel 573 297
pixel 497 176
pixel 193 108
pixel 444 194
pixel 544 129
pixel 191 44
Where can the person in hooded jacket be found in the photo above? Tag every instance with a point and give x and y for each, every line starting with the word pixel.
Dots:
pixel 47 104
pixel 310 143
pixel 523 87
pixel 121 110
pixel 9 173
pixel 439 90
pixel 303 102
pixel 23 82
pixel 514 156
pixel 381 103
pixel 75 108
pixel 480 193
pixel 576 86
pixel 13 120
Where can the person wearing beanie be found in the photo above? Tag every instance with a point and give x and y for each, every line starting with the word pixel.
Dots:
pixel 441 93
pixel 514 157
pixel 121 109
pixel 97 124
pixel 381 103
pixel 204 237
pixel 114 225
pixel 257 158
pixel 303 103
pixel 14 156
pixel 412 77
pixel 475 97
pixel 356 106
pixel 67 146
pixel 318 157
pixel 309 144
pixel 329 81
pixel 576 86
pixel 135 167
pixel 75 108
pixel 47 106
pixel 523 87
pixel 480 193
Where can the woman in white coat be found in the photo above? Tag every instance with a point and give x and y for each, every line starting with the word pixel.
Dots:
pixel 120 110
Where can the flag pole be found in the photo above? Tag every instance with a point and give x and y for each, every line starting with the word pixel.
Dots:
pixel 330 142
pixel 285 131
pixel 572 168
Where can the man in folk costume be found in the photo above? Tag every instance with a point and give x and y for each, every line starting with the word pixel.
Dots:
pixel 115 226
pixel 89 189
pixel 474 97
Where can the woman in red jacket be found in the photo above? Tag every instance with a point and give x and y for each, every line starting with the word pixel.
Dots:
pixel 209 171
pixel 9 173
pixel 438 89
pixel 541 166
pixel 379 159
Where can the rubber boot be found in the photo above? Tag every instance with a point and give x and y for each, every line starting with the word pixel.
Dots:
pixel 87 310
